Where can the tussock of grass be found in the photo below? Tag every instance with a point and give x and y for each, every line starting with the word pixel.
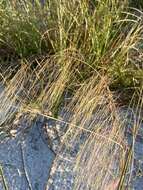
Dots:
pixel 85 48
pixel 93 142
pixel 106 35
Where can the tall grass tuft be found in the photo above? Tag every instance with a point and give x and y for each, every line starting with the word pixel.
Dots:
pixel 89 50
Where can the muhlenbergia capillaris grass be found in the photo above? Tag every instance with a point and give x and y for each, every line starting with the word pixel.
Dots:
pixel 90 50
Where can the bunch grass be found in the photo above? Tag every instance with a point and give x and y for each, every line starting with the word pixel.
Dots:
pixel 88 49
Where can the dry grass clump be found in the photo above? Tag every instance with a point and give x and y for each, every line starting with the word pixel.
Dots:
pixel 38 88
pixel 94 123
pixel 94 153
pixel 94 142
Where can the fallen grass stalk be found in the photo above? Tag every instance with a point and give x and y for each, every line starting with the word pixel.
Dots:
pixel 3 178
pixel 24 167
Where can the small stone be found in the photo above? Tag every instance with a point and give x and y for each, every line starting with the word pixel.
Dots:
pixel 13 132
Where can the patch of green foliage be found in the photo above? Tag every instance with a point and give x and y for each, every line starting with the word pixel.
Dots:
pixel 106 34
pixel 21 28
